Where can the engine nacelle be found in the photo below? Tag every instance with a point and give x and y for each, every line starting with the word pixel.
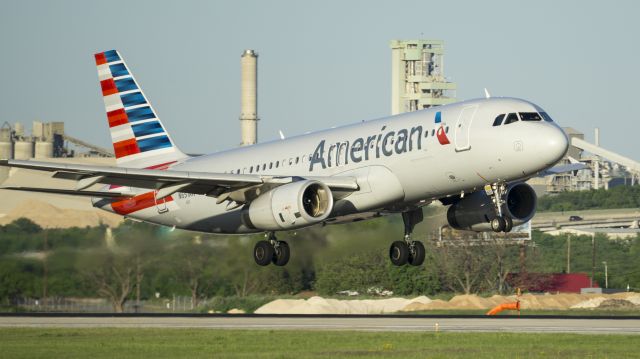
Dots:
pixel 293 205
pixel 474 212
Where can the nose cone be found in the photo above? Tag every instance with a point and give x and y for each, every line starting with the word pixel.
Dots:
pixel 553 144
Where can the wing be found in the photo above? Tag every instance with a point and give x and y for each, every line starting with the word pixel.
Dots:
pixel 562 169
pixel 224 186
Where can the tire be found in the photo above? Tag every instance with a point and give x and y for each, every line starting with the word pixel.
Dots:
pixel 498 224
pixel 281 254
pixel 417 257
pixel 508 226
pixel 263 253
pixel 399 253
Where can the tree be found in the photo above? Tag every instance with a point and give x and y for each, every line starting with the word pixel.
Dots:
pixel 18 278
pixel 505 260
pixel 463 265
pixel 192 267
pixel 110 274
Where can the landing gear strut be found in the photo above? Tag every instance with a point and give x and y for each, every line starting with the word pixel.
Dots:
pixel 271 251
pixel 497 192
pixel 408 251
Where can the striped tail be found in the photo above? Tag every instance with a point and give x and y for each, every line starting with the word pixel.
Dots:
pixel 139 138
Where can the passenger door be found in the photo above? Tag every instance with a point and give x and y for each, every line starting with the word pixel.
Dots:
pixel 463 128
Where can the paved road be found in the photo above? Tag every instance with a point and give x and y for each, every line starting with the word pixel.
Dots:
pixel 551 325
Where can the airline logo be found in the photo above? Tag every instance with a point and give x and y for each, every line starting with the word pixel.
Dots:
pixel 441 134
pixel 135 128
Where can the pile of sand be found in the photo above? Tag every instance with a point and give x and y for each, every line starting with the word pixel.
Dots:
pixel 589 303
pixel 465 301
pixel 527 301
pixel 617 304
pixel 49 216
pixel 319 305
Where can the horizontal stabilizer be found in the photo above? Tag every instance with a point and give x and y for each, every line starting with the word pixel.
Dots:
pixel 99 194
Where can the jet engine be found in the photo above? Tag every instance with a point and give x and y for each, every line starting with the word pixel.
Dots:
pixel 475 211
pixel 293 205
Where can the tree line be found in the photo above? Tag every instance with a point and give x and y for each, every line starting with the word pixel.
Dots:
pixel 136 260
pixel 616 197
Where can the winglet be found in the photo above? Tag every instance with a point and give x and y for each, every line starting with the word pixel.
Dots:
pixel 486 93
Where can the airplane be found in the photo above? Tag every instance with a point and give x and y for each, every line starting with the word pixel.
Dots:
pixel 472 156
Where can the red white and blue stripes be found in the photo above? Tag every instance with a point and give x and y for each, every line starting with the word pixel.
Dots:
pixel 136 131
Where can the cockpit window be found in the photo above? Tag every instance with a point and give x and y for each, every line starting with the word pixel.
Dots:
pixel 530 116
pixel 498 120
pixel 546 116
pixel 511 118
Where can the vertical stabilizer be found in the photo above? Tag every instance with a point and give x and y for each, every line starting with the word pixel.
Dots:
pixel 139 138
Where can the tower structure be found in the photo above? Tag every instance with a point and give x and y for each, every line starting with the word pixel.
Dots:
pixel 417 76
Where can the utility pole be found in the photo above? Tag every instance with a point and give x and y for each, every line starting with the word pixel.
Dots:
pixel 45 269
pixel 593 257
pixel 568 252
pixel 606 275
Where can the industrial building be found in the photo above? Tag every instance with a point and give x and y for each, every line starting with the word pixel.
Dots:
pixel 417 76
pixel 605 169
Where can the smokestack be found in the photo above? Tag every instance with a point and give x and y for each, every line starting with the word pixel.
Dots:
pixel 249 98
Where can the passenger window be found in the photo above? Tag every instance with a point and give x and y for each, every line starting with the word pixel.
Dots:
pixel 270 165
pixel 530 116
pixel 297 160
pixel 546 116
pixel 277 164
pixel 251 169
pixel 498 120
pixel 264 166
pixel 511 118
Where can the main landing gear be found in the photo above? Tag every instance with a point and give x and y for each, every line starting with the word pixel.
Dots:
pixel 497 193
pixel 408 250
pixel 271 251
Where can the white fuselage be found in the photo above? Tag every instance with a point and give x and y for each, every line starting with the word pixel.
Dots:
pixel 399 162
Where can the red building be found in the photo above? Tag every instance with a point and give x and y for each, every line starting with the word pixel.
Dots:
pixel 551 282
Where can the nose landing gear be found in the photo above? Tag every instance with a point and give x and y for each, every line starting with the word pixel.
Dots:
pixel 408 251
pixel 497 192
pixel 271 251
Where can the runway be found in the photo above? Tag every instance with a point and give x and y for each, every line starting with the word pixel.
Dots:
pixel 360 323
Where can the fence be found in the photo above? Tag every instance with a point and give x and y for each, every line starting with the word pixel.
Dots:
pixel 175 304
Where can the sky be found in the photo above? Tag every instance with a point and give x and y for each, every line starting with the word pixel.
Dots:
pixel 321 63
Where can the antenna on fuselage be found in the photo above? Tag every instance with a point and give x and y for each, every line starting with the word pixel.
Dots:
pixel 486 93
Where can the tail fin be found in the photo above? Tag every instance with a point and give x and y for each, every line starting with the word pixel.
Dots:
pixel 139 138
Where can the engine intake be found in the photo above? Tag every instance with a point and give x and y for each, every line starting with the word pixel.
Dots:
pixel 475 211
pixel 293 205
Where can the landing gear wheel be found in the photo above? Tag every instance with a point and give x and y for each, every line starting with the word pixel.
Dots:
pixel 263 253
pixel 498 224
pixel 399 253
pixel 508 226
pixel 281 254
pixel 417 254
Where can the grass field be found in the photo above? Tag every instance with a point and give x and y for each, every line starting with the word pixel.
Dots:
pixel 208 343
